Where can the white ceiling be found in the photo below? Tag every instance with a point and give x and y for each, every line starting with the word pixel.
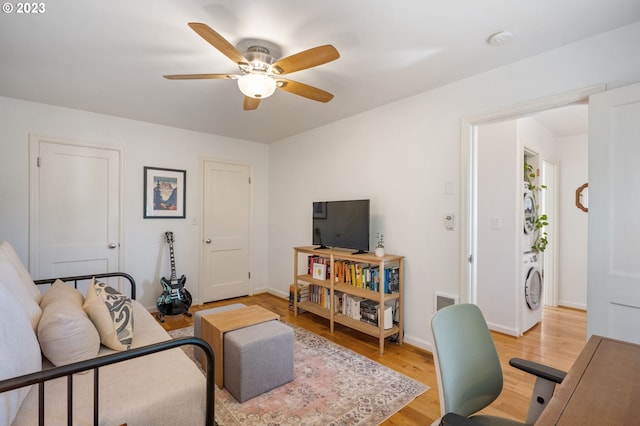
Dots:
pixel 109 56
pixel 566 121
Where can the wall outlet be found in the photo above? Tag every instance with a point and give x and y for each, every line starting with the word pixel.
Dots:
pixel 448 221
pixel 496 222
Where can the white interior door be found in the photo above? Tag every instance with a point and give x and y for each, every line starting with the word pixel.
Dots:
pixel 226 231
pixel 75 208
pixel 613 279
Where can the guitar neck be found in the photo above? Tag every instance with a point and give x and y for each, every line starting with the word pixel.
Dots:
pixel 173 262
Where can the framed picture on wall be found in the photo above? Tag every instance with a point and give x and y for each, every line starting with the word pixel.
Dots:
pixel 164 193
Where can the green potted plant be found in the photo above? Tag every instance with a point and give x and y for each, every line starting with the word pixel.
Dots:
pixel 541 220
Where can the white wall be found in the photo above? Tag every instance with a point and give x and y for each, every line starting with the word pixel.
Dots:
pixel 572 274
pixel 402 155
pixel 498 248
pixel 145 253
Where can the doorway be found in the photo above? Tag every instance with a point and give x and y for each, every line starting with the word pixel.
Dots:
pixel 469 148
pixel 226 232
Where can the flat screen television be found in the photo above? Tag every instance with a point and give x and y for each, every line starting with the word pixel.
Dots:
pixel 341 224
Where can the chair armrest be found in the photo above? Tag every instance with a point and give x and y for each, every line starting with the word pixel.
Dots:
pixel 539 370
pixel 453 419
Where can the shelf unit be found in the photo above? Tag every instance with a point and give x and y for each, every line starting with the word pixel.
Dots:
pixel 331 283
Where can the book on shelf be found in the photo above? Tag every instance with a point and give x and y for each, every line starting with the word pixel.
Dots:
pixel 319 271
pixel 338 298
pixel 351 305
pixel 313 263
pixel 319 295
pixel 370 313
pixel 303 295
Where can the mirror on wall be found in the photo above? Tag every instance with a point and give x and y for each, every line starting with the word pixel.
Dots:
pixel 582 197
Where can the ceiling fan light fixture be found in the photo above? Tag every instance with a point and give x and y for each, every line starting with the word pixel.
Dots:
pixel 258 86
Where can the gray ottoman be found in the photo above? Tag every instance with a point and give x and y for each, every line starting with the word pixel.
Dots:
pixel 197 324
pixel 257 358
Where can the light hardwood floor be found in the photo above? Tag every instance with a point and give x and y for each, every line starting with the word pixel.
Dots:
pixel 556 342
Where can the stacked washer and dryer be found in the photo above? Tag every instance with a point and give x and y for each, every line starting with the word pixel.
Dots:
pixel 532 277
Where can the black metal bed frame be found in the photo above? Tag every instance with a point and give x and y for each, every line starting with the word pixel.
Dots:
pixel 40 377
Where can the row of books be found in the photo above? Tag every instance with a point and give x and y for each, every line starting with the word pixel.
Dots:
pixel 315 263
pixel 320 295
pixel 303 295
pixel 357 274
pixel 370 312
pixel 358 308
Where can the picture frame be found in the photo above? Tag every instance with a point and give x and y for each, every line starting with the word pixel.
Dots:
pixel 165 192
pixel 320 271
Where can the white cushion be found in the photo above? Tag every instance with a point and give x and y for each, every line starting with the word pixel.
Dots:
pixel 7 250
pixel 13 282
pixel 112 315
pixel 65 332
pixel 61 291
pixel 19 352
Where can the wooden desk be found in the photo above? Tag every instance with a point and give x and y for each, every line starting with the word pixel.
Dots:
pixel 215 325
pixel 602 387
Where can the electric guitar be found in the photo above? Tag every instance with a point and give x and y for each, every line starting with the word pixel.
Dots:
pixel 175 299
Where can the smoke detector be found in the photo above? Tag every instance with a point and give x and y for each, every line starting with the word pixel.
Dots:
pixel 500 38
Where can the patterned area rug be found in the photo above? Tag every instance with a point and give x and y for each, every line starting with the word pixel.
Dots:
pixel 332 386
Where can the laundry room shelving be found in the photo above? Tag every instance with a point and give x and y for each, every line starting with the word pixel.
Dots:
pixel 334 285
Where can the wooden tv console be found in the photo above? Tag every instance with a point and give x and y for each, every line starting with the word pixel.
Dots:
pixel 334 286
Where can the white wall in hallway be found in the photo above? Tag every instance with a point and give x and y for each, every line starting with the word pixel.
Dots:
pixel 572 274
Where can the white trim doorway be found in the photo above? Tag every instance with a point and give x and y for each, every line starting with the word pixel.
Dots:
pixel 468 151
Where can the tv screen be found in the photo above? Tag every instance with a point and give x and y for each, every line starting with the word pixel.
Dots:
pixel 341 224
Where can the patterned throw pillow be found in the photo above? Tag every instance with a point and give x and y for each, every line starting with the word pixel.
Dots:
pixel 112 314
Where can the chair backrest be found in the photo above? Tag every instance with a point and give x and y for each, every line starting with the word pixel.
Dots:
pixel 467 363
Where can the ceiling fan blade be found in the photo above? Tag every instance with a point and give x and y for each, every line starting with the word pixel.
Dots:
pixel 304 90
pixel 250 103
pixel 307 59
pixel 219 42
pixel 201 76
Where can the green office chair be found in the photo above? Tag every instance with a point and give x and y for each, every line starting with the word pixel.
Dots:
pixel 469 371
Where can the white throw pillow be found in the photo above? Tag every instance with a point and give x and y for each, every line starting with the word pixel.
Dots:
pixel 7 250
pixel 61 291
pixel 111 313
pixel 65 332
pixel 13 282
pixel 19 352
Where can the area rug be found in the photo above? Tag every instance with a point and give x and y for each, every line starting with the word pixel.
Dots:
pixel 332 386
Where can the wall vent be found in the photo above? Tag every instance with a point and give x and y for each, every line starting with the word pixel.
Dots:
pixel 444 300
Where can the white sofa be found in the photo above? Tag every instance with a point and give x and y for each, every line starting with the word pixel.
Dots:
pixel 160 388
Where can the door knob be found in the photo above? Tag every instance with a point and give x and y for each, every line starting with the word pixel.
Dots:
pixel 113 245
pixel 208 241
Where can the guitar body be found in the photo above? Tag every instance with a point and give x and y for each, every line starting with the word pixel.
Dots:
pixel 175 298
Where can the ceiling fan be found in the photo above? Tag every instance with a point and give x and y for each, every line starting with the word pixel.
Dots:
pixel 260 71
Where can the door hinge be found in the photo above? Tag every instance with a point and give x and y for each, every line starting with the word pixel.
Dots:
pixel 470 258
pixel 38 162
pixel 249 180
pixel 249 275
